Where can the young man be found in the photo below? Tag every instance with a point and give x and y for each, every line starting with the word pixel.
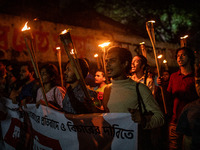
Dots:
pixel 138 67
pixel 26 88
pixel 121 95
pixel 182 90
pixel 74 101
pixel 100 81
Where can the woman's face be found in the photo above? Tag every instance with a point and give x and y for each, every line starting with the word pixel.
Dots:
pixel 45 76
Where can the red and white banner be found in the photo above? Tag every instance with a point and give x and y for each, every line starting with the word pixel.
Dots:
pixel 46 129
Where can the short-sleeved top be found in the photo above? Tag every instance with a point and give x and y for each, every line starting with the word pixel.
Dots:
pixel 100 92
pixel 56 93
pixel 79 95
pixel 182 90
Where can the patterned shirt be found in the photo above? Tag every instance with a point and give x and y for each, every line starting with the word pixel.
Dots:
pixel 79 95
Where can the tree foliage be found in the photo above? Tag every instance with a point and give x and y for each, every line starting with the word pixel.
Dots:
pixel 173 19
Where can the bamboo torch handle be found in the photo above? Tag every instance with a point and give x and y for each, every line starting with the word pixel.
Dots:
pixel 156 59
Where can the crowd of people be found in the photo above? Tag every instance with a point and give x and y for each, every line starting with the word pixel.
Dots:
pixel 131 88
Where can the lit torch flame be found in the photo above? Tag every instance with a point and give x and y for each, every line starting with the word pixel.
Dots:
pixel 96 55
pixel 184 37
pixel 72 52
pixel 64 31
pixel 152 21
pixel 58 48
pixel 26 27
pixel 104 44
pixel 165 61
pixel 159 56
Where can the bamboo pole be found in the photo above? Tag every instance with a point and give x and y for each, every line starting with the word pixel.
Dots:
pixel 65 38
pixel 29 45
pixel 153 42
pixel 60 65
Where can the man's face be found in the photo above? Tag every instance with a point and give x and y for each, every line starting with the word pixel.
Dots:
pixel 24 73
pixel 136 65
pixel 182 58
pixel 70 76
pixel 99 78
pixel 114 67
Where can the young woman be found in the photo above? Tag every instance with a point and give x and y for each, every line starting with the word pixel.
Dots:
pixel 54 92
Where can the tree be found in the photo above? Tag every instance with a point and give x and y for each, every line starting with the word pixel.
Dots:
pixel 173 19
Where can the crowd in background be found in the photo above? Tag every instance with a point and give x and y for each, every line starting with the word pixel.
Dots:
pixel 173 123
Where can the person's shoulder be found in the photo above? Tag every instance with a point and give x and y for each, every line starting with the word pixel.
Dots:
pixel 60 89
pixel 143 88
pixel 175 73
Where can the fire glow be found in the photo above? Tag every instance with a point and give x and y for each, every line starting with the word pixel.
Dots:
pixel 96 55
pixel 64 31
pixel 142 43
pixel 57 48
pixel 151 21
pixel 25 28
pixel 104 44
pixel 184 37
pixel 160 56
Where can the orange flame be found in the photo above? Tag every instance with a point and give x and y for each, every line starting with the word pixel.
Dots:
pixel 64 31
pixel 58 48
pixel 104 44
pixel 164 61
pixel 142 43
pixel 26 27
pixel 72 52
pixel 96 55
pixel 184 37
pixel 152 21
pixel 160 56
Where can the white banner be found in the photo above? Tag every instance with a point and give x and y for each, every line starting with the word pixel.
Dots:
pixel 48 129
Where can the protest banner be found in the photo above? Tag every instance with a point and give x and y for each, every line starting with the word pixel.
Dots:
pixel 53 130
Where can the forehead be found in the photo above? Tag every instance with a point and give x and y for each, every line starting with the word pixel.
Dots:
pixel 165 73
pixel 136 58
pixel 181 52
pixel 112 55
pixel 99 73
pixel 43 70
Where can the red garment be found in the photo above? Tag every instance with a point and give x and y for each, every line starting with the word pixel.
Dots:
pixel 182 90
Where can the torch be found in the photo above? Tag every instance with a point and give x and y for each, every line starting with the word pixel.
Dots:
pixel 65 38
pixel 104 55
pixel 150 30
pixel 29 44
pixel 143 49
pixel 97 57
pixel 59 63
pixel 183 41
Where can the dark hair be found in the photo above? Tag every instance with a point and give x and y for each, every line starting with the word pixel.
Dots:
pixel 101 70
pixel 143 61
pixel 166 71
pixel 189 53
pixel 124 55
pixel 52 70
pixel 84 66
pixel 29 66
